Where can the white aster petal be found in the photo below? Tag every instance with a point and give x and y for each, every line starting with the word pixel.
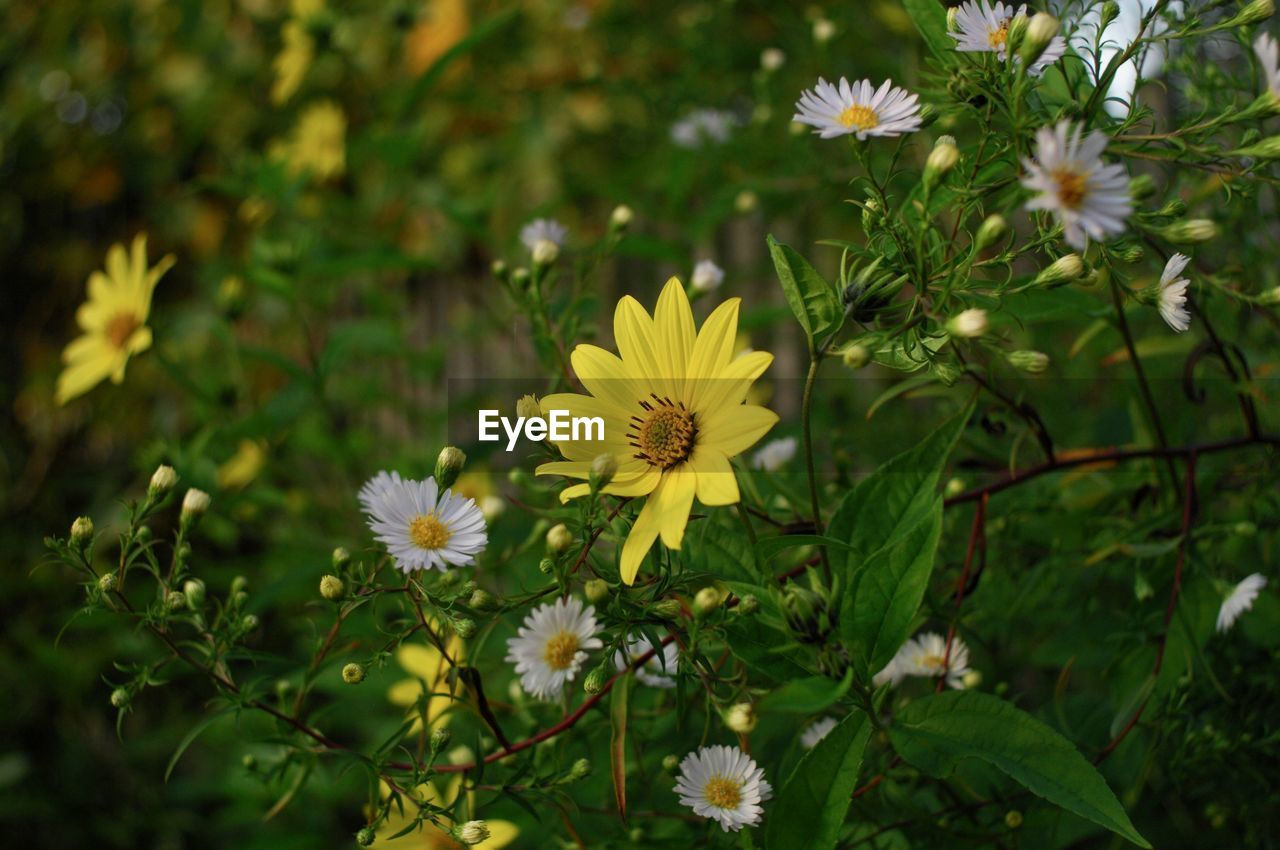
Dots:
pixel 421 527
pixel 543 228
pixel 858 109
pixel 816 731
pixel 1239 600
pixel 725 785
pixel 551 647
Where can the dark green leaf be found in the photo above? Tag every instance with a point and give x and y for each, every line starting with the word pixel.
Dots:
pixel 930 19
pixel 815 304
pixel 807 696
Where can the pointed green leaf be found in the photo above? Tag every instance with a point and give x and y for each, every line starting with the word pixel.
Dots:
pixel 814 303
pixel 930 18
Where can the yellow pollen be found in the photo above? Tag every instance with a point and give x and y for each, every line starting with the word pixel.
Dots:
pixel 560 651
pixel 861 117
pixel 666 436
pixel 997 37
pixel 1071 187
pixel 933 662
pixel 428 532
pixel 722 792
pixel 120 328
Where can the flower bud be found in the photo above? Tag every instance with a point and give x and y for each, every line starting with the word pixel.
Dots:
pixel 1033 362
pixel 823 30
pixel 666 609
pixel 520 277
pixel 1131 254
pixel 473 831
pixel 1256 11
pixel 806 613
pixel 1190 231
pixel 972 679
pixel 194 504
pixel 439 740
pixel 707 600
pixel 741 718
pixel 463 627
pixel 332 588
pixel 1013 819
pixel 746 201
pixel 955 487
pixel 341 558
pixel 993 227
pixel 671 763
pixel 1244 528
pixel 706 276
pixel 483 600
pixel 449 465
pixel 366 836
pixel 249 762
pixel 545 252
pixel 871 214
pixel 1062 270
pixel 559 539
pixel 1268 148
pixel 81 532
pixel 594 683
pixel 968 323
pixel 1110 11
pixel 1016 33
pixel 1142 186
pixel 239 599
pixel 771 59
pixel 230 297
pixel 353 674
pixel 498 268
pixel 162 481
pixel 546 566
pixel 952 13
pixel 527 407
pixel 603 468
pixel 174 600
pixel 107 582
pixel 597 590
pixel 249 623
pixel 855 356
pixel 193 590
pixel 942 159
pixel 120 698
pixel 1041 30
pixel 239 584
pixel 1271 296
pixel 581 769
pixel 620 218
pixel 747 605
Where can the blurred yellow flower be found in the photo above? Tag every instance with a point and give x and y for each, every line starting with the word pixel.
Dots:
pixel 674 413
pixel 429 836
pixel 114 320
pixel 430 672
pixel 444 23
pixel 318 143
pixel 294 59
pixel 243 466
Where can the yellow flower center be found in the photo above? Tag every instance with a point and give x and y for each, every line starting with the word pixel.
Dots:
pixel 665 437
pixel 998 36
pixel 1071 187
pixel 722 792
pixel 560 651
pixel 426 531
pixel 933 662
pixel 861 117
pixel 120 328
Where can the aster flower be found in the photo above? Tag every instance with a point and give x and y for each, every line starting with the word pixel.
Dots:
pixel 983 28
pixel 114 320
pixel 1268 52
pixel 1239 600
pixel 926 655
pixel 844 109
pixel 551 646
pixel 673 411
pixel 703 126
pixel 420 526
pixel 775 454
pixel 706 276
pixel 543 229
pixel 659 671
pixel 1173 294
pixel 816 731
pixel 724 784
pixel 317 145
pixel 1090 198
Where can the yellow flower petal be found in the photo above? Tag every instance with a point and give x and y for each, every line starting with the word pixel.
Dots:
pixel 424 662
pixel 404 693
pixel 606 376
pixel 674 503
pixel 642 535
pixel 78 379
pixel 716 482
pixel 732 430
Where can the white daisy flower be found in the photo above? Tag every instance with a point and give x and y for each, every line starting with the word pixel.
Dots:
pixel 702 127
pixel 1239 600
pixel 706 276
pixel 551 646
pixel 1268 52
pixel 420 526
pixel 892 672
pixel 1173 294
pixel 983 28
pixel 816 731
pixel 659 671
pixel 543 228
pixel 1090 198
pixel 775 454
pixel 926 655
pixel 725 784
pixel 839 110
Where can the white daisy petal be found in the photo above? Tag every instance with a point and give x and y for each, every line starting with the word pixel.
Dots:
pixel 1173 294
pixel 1090 198
pixel 659 671
pixel 775 454
pixel 816 731
pixel 926 655
pixel 551 647
pixel 723 784
pixel 543 228
pixel 1239 600
pixel 421 527
pixel 858 109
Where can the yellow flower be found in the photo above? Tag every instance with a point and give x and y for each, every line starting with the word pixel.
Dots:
pixel 430 672
pixel 114 320
pixel 430 837
pixel 673 413
pixel 243 466
pixel 444 23
pixel 294 59
pixel 318 143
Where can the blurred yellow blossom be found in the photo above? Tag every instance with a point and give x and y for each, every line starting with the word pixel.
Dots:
pixel 318 143
pixel 294 59
pixel 243 466
pixel 430 672
pixel 443 24
pixel 432 837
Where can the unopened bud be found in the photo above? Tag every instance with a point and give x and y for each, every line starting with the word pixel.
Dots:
pixel 1142 186
pixel 546 566
pixel 989 232
pixel 671 763
pixel 162 481
pixel 545 252
pixel 741 718
pixel 871 214
pixel 666 609
pixel 520 277
pixel 1131 254
pixel 807 614
pixel 353 674
pixel 1244 528
pixel 581 769
pixel 707 600
pixel 955 487
pixel 1110 11
pixel 971 679
pixel 1190 231
pixel 1013 819
pixel 771 59
pixel 249 623
pixel 193 590
pixel 747 605
pixel 1033 362
pixel 498 268
pixel 706 276
pixel 449 465
pixel 473 831
pixel 1256 11
pixel 194 504
pixel 594 683
pixel 463 627
pixel 968 323
pixel 855 356
pixel 603 468
pixel 527 407
pixel 120 698
pixel 174 600
pixel 249 762
pixel 482 600
pixel 941 160
pixel 1041 30
pixel 620 218
pixel 239 584
pixel 746 201
pixel 366 836
pixel 823 30
pixel 81 532
pixel 332 588
pixel 341 558
pixel 239 599
pixel 107 582
pixel 1271 296
pixel 1062 270
pixel 559 538
pixel 597 590
pixel 439 740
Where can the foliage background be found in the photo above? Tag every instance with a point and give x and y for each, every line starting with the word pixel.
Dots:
pixel 363 296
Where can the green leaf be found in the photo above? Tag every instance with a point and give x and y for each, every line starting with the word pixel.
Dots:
pixel 618 740
pixel 763 648
pixel 882 597
pixel 930 19
pixel 814 303
pixel 723 553
pixel 813 803
pixel 807 696
pixel 936 733
pixel 190 737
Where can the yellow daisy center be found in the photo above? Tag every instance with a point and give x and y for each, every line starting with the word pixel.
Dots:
pixel 861 117
pixel 997 37
pixel 426 531
pixel 560 650
pixel 120 328
pixel 933 662
pixel 664 437
pixel 722 792
pixel 1071 187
